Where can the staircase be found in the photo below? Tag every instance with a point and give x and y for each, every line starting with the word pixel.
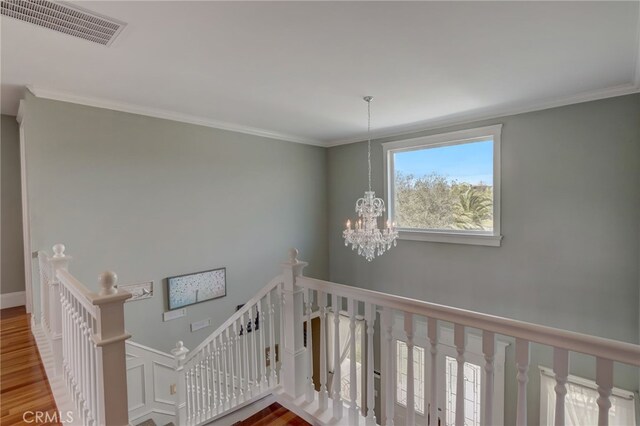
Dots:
pixel 266 352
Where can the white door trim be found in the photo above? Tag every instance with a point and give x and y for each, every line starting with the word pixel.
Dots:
pixel 26 229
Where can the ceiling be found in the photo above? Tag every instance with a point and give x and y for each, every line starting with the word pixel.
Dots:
pixel 298 70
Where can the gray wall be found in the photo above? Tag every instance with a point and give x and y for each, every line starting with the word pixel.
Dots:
pixel 151 198
pixel 570 210
pixel 12 267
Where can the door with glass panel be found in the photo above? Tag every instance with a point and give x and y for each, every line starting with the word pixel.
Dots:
pixel 446 384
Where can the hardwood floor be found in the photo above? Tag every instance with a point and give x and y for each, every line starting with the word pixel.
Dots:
pixel 273 415
pixel 23 381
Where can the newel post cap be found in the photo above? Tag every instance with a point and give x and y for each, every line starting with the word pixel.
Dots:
pixel 180 351
pixel 108 283
pixel 293 255
pixel 58 250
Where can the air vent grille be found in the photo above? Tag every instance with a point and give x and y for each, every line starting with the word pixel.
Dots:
pixel 64 18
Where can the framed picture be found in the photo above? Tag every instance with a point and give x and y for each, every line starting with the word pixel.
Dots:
pixel 189 289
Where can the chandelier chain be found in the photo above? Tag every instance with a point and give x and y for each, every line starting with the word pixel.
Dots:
pixel 369 139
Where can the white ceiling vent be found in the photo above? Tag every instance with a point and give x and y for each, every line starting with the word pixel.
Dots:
pixel 64 18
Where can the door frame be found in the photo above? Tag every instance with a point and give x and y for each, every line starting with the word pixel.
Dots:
pixel 26 224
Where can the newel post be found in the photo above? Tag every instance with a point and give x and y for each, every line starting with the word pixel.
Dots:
pixel 110 337
pixel 59 261
pixel 294 361
pixel 179 354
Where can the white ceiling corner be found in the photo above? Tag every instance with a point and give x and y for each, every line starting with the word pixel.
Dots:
pixel 297 71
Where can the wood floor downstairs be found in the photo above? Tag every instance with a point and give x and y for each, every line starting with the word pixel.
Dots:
pixel 273 415
pixel 24 386
pixel 23 381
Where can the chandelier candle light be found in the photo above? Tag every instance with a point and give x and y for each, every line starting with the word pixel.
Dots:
pixel 367 237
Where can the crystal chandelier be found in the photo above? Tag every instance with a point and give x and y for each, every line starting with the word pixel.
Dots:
pixel 367 238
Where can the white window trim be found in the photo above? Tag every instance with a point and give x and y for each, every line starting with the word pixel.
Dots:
pixel 482 238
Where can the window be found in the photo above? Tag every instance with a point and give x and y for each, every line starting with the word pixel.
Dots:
pixel 418 376
pixel 580 406
pixel 472 383
pixel 446 376
pixel 345 356
pixel 446 188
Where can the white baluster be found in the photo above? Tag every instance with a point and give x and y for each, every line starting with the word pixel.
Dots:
pixel 94 378
pixel 245 341
pixel 59 262
pixel 522 363
pixel 208 374
pixel 353 375
pixel 241 393
pixel 85 363
pixel 231 337
pixel 242 342
pixel 411 403
pixel 220 373
pixel 460 342
pixel 273 379
pixel 64 306
pixel 489 350
pixel 217 390
pixel 604 380
pixel 76 355
pixel 225 371
pixel 188 392
pixel 388 373
pixel 310 393
pixel 196 389
pixel 323 395
pixel 561 370
pixel 370 317
pixel 254 350
pixel 264 383
pixel 336 381
pixel 281 337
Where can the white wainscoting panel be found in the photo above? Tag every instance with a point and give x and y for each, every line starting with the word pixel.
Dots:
pixel 150 374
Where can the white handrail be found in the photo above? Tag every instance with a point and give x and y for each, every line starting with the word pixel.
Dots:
pixel 237 315
pixel 600 347
pixel 79 291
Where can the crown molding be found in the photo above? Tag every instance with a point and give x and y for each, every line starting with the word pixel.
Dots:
pixel 492 113
pixel 398 131
pixel 55 95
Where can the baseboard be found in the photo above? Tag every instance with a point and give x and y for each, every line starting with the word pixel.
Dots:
pixel 10 300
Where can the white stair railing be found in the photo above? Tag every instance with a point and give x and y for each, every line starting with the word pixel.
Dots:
pixel 358 301
pixel 230 368
pixel 262 350
pixel 85 332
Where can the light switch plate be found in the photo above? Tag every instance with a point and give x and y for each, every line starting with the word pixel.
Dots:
pixel 171 315
pixel 198 325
